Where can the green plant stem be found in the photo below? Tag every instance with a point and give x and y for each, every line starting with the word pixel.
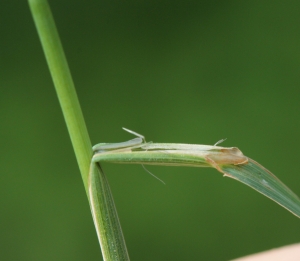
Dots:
pixel 112 241
pixel 64 85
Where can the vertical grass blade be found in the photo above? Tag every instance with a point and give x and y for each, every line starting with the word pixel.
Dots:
pixel 109 231
pixel 63 83
pixel 103 209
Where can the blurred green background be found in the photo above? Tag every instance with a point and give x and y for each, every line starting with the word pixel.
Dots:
pixel 174 71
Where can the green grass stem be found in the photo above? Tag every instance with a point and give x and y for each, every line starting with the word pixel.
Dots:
pixel 64 85
pixel 114 247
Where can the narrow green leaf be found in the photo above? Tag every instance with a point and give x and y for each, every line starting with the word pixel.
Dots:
pixel 229 161
pixel 105 217
pixel 262 180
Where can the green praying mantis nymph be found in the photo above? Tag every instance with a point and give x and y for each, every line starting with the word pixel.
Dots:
pixel 138 151
pixel 143 153
pixel 231 162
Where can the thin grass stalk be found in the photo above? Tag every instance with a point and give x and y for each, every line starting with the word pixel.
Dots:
pixel 111 237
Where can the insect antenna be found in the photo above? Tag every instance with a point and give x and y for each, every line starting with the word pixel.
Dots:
pixel 220 141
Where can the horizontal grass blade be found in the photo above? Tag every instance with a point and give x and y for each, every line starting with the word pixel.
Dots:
pixel 262 180
pixel 229 161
